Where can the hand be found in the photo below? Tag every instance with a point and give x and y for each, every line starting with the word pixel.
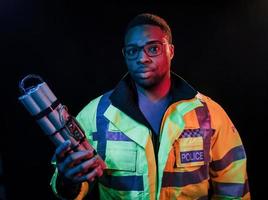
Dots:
pixel 77 166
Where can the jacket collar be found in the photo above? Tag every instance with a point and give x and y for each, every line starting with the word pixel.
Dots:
pixel 125 97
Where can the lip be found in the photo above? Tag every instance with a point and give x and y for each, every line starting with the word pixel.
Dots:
pixel 144 70
pixel 144 74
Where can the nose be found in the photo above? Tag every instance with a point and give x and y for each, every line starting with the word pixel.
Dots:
pixel 143 57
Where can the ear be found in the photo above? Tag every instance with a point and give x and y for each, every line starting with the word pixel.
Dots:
pixel 171 51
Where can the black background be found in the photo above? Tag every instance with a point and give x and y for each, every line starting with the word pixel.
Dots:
pixel 220 48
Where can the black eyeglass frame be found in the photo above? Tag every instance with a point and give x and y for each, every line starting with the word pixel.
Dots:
pixel 139 48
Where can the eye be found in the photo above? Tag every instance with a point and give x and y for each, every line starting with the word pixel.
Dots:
pixel 130 51
pixel 153 49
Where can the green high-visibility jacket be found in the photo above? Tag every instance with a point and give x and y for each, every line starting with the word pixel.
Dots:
pixel 197 148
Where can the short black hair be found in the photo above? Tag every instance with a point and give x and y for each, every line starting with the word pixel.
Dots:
pixel 150 19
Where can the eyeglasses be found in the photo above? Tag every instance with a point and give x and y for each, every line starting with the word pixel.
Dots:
pixel 153 49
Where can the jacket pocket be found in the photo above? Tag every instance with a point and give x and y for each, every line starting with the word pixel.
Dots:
pixel 120 158
pixel 189 150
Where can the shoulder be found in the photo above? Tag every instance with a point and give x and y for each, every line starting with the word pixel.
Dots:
pixel 217 114
pixel 212 105
pixel 87 116
pixel 91 107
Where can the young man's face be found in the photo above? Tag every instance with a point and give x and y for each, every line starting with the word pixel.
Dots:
pixel 150 65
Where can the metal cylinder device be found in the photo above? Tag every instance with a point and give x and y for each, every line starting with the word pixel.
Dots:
pixel 53 117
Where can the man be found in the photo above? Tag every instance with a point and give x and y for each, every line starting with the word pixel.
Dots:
pixel 159 137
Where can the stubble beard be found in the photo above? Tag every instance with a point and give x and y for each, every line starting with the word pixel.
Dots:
pixel 150 83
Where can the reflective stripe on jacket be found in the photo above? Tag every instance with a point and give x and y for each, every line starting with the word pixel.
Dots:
pixel 199 148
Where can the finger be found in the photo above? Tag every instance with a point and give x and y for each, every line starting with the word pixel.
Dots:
pixel 75 158
pixel 86 144
pixel 101 162
pixel 89 176
pixel 81 168
pixel 60 152
pixel 99 171
pixel 88 155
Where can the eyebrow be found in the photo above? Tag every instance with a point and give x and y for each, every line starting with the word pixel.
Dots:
pixel 150 42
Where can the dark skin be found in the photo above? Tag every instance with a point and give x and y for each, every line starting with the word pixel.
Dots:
pixel 152 77
pixel 151 74
pixel 77 166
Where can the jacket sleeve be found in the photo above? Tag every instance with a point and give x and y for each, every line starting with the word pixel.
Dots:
pixel 68 191
pixel 86 119
pixel 228 158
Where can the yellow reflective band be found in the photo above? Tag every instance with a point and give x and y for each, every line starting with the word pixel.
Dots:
pixel 150 185
pixel 83 191
pixel 134 130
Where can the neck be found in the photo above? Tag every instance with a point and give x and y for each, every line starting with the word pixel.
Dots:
pixel 157 92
